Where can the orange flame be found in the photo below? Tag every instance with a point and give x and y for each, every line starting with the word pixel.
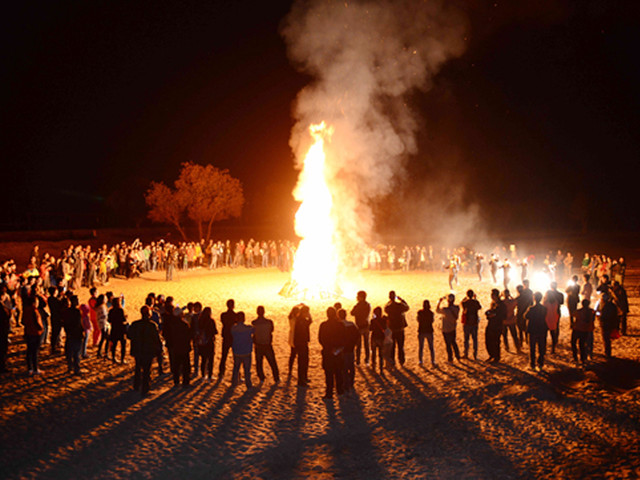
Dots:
pixel 315 267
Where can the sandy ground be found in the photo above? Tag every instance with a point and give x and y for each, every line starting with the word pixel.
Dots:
pixel 461 420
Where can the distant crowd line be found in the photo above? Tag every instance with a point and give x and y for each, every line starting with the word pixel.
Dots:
pixel 378 334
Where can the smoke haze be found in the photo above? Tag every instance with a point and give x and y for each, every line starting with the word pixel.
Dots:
pixel 365 59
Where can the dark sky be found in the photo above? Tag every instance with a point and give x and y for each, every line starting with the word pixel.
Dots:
pixel 537 121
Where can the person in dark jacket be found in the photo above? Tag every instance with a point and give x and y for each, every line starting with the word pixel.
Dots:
pixel 53 302
pixel 496 316
pixel 263 342
pixel 523 301
pixel 331 336
pixel 178 337
pixel 75 334
pixel 582 325
pixel 352 336
pixel 228 319
pixel 378 327
pixel 361 312
pixel 536 318
pixel 301 337
pixel 470 308
pixel 242 347
pixel 118 321
pixel 395 310
pixel 425 331
pixel 205 341
pixel 609 321
pixel 145 345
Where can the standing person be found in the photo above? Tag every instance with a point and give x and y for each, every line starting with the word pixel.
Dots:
pixel 33 329
pixel 479 266
pixel 75 334
pixel 573 298
pixel 587 288
pixel 5 328
pixel 301 337
pixel 145 344
pixel 93 317
pixel 242 345
pixel 425 331
pixel 523 301
pixel 193 323
pixel 228 320
pixel 470 320
pixel 118 321
pixel 378 326
pixel 178 336
pixel 205 341
pixel 622 301
pixel 496 316
pixel 56 317
pixel 609 321
pixel 450 315
pixel 87 327
pixel 553 317
pixel 102 313
pixel 536 317
pixel 352 335
pixel 263 340
pixel 510 321
pixel 361 311
pixel 331 336
pixel 583 323
pixel 293 315
pixel 395 310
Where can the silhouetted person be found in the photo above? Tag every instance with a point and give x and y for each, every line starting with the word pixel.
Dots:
pixel 118 322
pixel 510 321
pixel 178 337
pixel 361 312
pixel 145 344
pixel 425 331
pixel 378 326
pixel 301 337
pixel 56 317
pixel 228 320
pixel 470 320
pixel 293 315
pixel 395 310
pixel 450 315
pixel 622 301
pixel 523 301
pixel 74 333
pixel 263 341
pixel 352 335
pixel 495 320
pixel 331 336
pixel 609 321
pixel 583 324
pixel 535 317
pixel 5 328
pixel 205 340
pixel 242 346
pixel 552 305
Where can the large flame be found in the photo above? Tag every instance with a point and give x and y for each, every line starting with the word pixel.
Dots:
pixel 316 264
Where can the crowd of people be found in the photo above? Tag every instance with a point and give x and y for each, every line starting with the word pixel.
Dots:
pixel 376 335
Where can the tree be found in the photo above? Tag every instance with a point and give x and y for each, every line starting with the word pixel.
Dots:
pixel 205 193
pixel 210 195
pixel 165 206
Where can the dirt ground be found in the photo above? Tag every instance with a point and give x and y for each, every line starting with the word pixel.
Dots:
pixel 462 420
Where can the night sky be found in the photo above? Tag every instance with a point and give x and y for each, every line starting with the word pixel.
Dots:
pixel 535 123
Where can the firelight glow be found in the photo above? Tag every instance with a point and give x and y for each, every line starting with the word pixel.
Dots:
pixel 316 264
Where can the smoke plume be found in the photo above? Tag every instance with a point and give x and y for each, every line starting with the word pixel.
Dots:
pixel 366 58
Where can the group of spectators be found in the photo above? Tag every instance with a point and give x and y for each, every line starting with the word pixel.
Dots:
pixel 189 334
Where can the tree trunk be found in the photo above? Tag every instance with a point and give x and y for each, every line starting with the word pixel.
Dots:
pixel 179 228
pixel 209 230
pixel 199 230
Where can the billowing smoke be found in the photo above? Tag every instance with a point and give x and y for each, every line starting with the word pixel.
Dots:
pixel 366 58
